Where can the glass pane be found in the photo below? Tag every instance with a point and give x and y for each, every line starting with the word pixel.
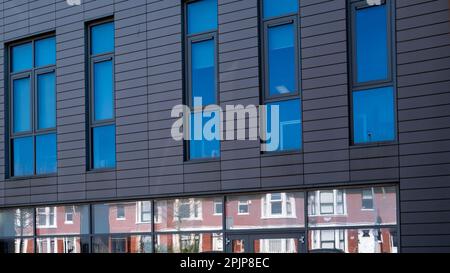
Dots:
pixel 45 52
pixel 23 156
pixel 279 7
pixel 104 146
pixel 122 244
pixel 16 222
pixel 203 73
pixel 102 38
pixel 103 91
pixel 373 115
pixel 289 135
pixel 17 245
pixel 105 218
pixel 190 214
pixel 260 212
pixel 189 243
pixel 201 145
pixel 276 245
pixel 46 101
pixel 68 244
pixel 46 154
pixel 238 246
pixel 281 62
pixel 370 240
pixel 202 16
pixel 22 105
pixel 371 44
pixel 22 57
pixel 353 214
pixel 53 220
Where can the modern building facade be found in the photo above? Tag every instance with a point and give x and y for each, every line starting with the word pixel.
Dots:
pixel 88 162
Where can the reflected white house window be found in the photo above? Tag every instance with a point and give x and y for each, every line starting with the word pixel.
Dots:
pixel 188 209
pixel 143 212
pixel 243 207
pixel 278 205
pixel 327 202
pixel 281 245
pixel 46 217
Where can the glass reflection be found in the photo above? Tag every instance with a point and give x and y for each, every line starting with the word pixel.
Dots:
pixel 16 222
pixel 276 245
pixel 62 245
pixel 352 207
pixel 189 243
pixel 367 240
pixel 17 245
pixel 124 217
pixel 122 244
pixel 270 210
pixel 186 214
pixel 62 220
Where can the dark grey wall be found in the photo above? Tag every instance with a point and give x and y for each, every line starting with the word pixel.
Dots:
pixel 149 82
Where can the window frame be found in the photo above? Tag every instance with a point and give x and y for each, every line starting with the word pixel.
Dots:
pixel 371 190
pixel 188 40
pixel 32 74
pixel 265 98
pixel 91 123
pixel 140 212
pixel 352 67
pixel 48 215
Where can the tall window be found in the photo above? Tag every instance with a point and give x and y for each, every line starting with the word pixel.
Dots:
pixel 367 199
pixel 373 92
pixel 101 85
pixel 281 73
pixel 278 205
pixel 46 217
pixel 201 68
pixel 144 211
pixel 33 107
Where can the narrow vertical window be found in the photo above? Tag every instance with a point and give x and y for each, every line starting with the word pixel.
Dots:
pixel 201 71
pixel 373 91
pixel 101 107
pixel 33 107
pixel 281 74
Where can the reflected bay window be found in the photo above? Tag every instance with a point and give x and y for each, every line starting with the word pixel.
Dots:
pixel 278 205
pixel 373 91
pixel 282 79
pixel 201 75
pixel 33 107
pixel 101 94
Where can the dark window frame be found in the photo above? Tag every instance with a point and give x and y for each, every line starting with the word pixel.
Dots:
pixel 266 98
pixel 352 67
pixel 32 74
pixel 91 122
pixel 188 40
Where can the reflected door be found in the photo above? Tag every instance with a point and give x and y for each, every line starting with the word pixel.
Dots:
pixel 266 243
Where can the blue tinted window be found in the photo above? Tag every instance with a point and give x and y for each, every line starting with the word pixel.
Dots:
pixel 102 38
pixel 45 52
pixel 21 105
pixel 23 156
pixel 104 150
pixel 202 16
pixel 200 147
pixel 290 125
pixel 274 8
pixel 281 60
pixel 46 101
pixel 103 91
pixel 371 44
pixel 203 72
pixel 373 115
pixel 22 57
pixel 46 153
